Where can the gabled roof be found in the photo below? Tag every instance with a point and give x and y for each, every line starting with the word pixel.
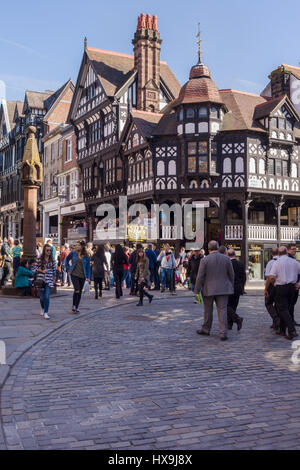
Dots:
pixel 18 109
pixel 53 100
pixel 115 68
pixel 167 125
pixel 11 106
pixel 145 121
pixel 241 106
pixel 36 99
pixel 265 109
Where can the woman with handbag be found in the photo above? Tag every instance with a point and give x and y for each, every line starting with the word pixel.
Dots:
pixel 45 278
pixel 98 261
pixel 80 271
pixel 142 275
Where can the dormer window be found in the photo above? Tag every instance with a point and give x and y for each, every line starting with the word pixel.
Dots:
pixel 202 113
pixel 190 113
pixel 214 112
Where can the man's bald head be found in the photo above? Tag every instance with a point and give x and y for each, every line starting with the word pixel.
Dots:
pixel 282 251
pixel 231 253
pixel 213 245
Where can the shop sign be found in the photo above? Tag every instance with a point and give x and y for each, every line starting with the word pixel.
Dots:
pixel 8 207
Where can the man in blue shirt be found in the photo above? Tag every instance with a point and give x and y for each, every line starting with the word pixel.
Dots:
pixel 151 255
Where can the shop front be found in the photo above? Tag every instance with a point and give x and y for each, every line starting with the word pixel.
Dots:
pixel 73 223
pixel 259 255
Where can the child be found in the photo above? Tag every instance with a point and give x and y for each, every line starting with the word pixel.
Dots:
pixel 16 253
pixel 22 277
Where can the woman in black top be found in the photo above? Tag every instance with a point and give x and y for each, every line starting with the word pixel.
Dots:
pixel 118 260
pixel 99 260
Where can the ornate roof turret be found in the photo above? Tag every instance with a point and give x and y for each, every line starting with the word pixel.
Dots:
pixel 200 88
pixel 31 167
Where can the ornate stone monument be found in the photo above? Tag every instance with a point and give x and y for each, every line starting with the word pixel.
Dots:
pixel 31 178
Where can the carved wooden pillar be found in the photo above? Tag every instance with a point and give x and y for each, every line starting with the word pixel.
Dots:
pixel 31 179
pixel 245 247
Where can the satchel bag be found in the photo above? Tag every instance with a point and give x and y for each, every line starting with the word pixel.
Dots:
pixel 39 280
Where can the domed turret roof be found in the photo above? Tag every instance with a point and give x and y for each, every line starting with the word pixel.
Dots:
pixel 200 88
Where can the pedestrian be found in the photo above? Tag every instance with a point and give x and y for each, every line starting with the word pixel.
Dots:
pixel 151 255
pixel 215 279
pixel 16 254
pixel 292 250
pixel 223 250
pixel 53 249
pixel 99 263
pixel 118 260
pixel 239 286
pixel 39 249
pixel 270 298
pixel 126 276
pixel 180 265
pixel 107 273
pixel 23 275
pixel 79 266
pixel 284 273
pixel 157 266
pixel 193 267
pixel 64 273
pixel 45 278
pixel 7 257
pixel 142 275
pixel 168 266
pixel 132 263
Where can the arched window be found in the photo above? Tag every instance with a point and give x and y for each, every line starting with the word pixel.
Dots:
pixel 261 166
pixel 214 112
pixel 294 170
pixel 161 168
pixel 172 168
pixel 239 165
pixel 227 165
pixel 252 165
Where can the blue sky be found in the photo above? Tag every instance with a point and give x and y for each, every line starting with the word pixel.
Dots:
pixel 41 43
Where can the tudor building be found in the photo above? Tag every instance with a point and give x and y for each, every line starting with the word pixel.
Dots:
pixel 147 138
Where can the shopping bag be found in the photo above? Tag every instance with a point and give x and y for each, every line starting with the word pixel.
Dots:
pixel 199 298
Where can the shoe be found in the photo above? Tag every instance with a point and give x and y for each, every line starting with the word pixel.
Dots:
pixel 140 304
pixel 46 316
pixel 280 333
pixel 291 335
pixel 195 302
pixel 229 327
pixel 42 312
pixel 223 338
pixel 151 298
pixel 77 311
pixel 163 290
pixel 96 296
pixel 73 309
pixel 202 332
pixel 240 323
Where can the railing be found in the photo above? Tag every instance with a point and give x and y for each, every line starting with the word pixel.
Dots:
pixel 79 232
pixel 262 232
pixel 289 234
pixel 171 232
pixel 234 232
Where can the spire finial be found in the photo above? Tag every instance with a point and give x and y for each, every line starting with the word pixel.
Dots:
pixel 199 42
pixel 85 42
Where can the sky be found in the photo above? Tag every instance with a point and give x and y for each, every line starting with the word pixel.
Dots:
pixel 41 42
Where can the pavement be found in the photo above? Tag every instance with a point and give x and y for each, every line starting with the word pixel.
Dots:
pixel 122 377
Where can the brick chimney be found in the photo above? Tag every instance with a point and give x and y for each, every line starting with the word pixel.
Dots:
pixel 147 63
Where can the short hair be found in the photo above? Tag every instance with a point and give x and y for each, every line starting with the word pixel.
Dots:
pixel 23 262
pixel 150 246
pixel 138 246
pixel 17 242
pixel 282 251
pixel 49 241
pixel 213 245
pixel 223 249
pixel 274 251
pixel 67 246
pixel 290 245
pixel 231 253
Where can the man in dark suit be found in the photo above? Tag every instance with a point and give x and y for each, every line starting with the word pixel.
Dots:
pixel 239 284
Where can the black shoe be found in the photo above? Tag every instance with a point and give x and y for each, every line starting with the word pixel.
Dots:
pixel 163 290
pixel 202 332
pixel 291 335
pixel 96 296
pixel 280 333
pixel 223 338
pixel 140 304
pixel 240 323
pixel 150 298
pixel 229 326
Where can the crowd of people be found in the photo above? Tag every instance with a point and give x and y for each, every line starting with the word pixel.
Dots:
pixel 218 276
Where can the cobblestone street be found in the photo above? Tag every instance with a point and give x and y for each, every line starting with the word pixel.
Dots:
pixel 141 378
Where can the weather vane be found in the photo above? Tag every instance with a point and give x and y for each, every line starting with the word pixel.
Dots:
pixel 199 42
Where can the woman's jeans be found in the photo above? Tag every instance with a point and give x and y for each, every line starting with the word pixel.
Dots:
pixel 78 284
pixel 45 298
pixel 166 277
pixel 118 275
pixel 126 278
pixel 16 264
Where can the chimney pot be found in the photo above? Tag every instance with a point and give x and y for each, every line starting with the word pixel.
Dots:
pixel 154 23
pixel 148 22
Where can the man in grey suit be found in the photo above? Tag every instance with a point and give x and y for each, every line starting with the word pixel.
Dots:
pixel 216 280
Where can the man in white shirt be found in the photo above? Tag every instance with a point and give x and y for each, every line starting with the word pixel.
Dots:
pixel 284 272
pixel 270 300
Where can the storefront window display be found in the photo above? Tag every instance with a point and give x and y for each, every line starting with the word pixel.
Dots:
pixel 255 262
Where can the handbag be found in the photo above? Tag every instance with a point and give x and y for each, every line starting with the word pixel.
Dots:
pixel 39 280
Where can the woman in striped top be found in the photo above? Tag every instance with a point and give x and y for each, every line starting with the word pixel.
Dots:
pixel 47 266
